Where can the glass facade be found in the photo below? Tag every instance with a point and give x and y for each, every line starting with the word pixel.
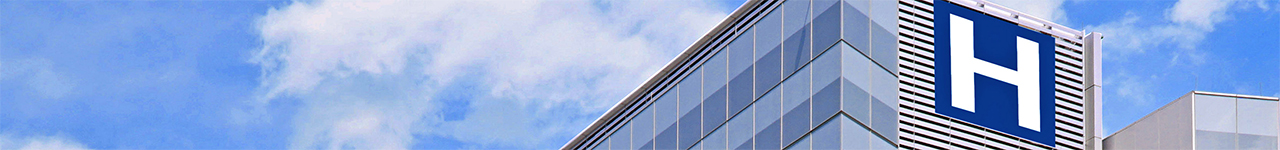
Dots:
pixel 1218 121
pixel 789 80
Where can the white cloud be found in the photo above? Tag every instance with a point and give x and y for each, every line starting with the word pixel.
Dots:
pixel 40 143
pixel 372 74
pixel 39 76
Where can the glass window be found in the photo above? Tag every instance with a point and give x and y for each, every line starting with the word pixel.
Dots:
pixel 884 37
pixel 664 119
pixel 713 92
pixel 796 46
pixel 853 135
pixel 1215 113
pixel 621 139
pixel 715 140
pixel 1258 142
pixel 740 58
pixel 826 24
pixel 740 129
pixel 795 104
pixel 856 80
pixel 884 112
pixel 1257 117
pixel 689 127
pixel 1215 140
pixel 827 135
pixel 857 27
pixel 642 129
pixel 825 87
pixel 768 120
pixel 768 52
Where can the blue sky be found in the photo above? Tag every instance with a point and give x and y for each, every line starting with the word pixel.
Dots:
pixel 457 75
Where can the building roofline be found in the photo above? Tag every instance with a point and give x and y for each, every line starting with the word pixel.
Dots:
pixel 671 66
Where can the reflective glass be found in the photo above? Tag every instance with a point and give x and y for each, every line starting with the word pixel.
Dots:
pixel 827 135
pixel 795 104
pixel 884 37
pixel 853 135
pixel 768 52
pixel 857 27
pixel 665 118
pixel 740 128
pixel 768 120
pixel 689 127
pixel 715 140
pixel 854 69
pixel 642 129
pixel 826 24
pixel 796 46
pixel 826 87
pixel 1257 117
pixel 713 92
pixel 621 139
pixel 1215 113
pixel 802 144
pixel 741 74
pixel 1215 140
pixel 1258 142
pixel 884 111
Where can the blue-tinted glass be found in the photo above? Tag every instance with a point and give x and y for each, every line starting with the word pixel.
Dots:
pixel 827 136
pixel 768 52
pixel 741 56
pixel 826 87
pixel 796 49
pixel 795 102
pixel 802 144
pixel 884 36
pixel 740 128
pixel 826 24
pixel 741 53
pixel 795 52
pixel 856 81
pixel 853 135
pixel 857 27
pixel 1252 141
pixel 606 144
pixel 715 140
pixel 621 139
pixel 880 143
pixel 642 129
pixel 884 115
pixel 664 120
pixel 884 119
pixel 768 120
pixel 768 71
pixel 713 92
pixel 1215 140
pixel 797 16
pixel 689 126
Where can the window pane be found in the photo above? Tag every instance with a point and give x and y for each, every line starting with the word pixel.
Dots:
pixel 740 52
pixel 1215 140
pixel 1257 117
pixel 768 52
pixel 689 127
pixel 664 119
pixel 713 92
pixel 827 135
pixel 768 120
pixel 853 135
pixel 1215 113
pixel 642 129
pixel 621 139
pixel 884 111
pixel 826 24
pixel 854 69
pixel 796 47
pixel 795 103
pixel 857 27
pixel 884 37
pixel 826 87
pixel 715 140
pixel 740 129
pixel 741 57
pixel 1258 142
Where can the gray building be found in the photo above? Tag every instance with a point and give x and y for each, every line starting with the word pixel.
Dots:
pixel 858 74
pixel 1205 120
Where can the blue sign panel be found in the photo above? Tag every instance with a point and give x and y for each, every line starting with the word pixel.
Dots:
pixel 993 73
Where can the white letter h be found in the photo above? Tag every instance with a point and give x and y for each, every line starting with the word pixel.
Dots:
pixel 964 66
